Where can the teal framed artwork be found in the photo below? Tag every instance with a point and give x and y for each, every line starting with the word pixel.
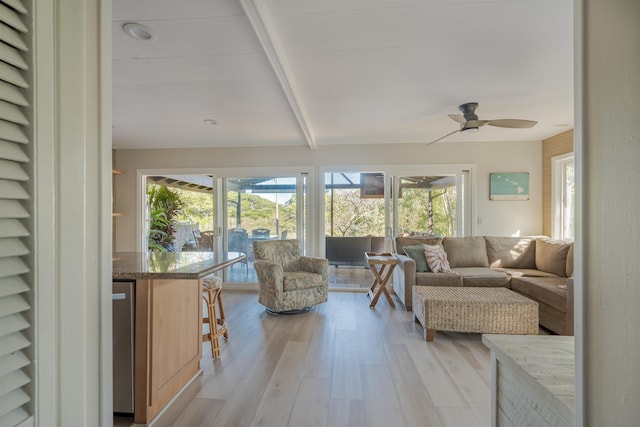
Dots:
pixel 509 186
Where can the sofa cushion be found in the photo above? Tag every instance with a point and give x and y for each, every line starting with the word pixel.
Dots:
pixel 511 252
pixel 296 280
pixel 401 242
pixel 545 290
pixel 438 279
pixel 525 272
pixel 416 252
pixel 570 261
pixel 466 251
pixel 482 277
pixel 437 259
pixel 551 256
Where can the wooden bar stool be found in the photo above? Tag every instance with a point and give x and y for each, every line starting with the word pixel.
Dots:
pixel 212 293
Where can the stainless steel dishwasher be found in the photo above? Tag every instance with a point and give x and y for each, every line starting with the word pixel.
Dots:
pixel 123 299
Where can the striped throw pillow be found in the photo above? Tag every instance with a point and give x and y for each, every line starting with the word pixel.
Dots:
pixel 437 259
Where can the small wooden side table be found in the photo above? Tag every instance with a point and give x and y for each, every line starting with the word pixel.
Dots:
pixel 382 265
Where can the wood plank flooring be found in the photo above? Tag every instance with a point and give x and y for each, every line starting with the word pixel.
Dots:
pixel 342 364
pixel 343 277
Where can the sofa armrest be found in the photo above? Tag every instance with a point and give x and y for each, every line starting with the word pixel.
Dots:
pixel 570 316
pixel 404 279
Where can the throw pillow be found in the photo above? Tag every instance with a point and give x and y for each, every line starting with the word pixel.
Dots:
pixel 416 252
pixel 437 259
pixel 551 256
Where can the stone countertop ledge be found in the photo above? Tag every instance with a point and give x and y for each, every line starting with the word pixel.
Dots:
pixel 170 265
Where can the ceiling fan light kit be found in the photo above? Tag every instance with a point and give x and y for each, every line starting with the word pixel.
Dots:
pixel 469 121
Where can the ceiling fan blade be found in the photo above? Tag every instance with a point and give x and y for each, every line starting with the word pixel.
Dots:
pixel 457 118
pixel 474 123
pixel 512 123
pixel 443 137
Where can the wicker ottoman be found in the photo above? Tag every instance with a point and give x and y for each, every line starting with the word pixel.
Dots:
pixel 478 310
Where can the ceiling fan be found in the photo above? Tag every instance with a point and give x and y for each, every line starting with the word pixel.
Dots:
pixel 469 121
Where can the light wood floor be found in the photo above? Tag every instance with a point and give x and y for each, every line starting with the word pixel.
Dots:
pixel 342 364
pixel 343 277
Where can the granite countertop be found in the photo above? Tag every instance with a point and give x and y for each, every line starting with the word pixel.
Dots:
pixel 169 265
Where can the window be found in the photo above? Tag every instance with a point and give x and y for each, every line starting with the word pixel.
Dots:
pixel 563 196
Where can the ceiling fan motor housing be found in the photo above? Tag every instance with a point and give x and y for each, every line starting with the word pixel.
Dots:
pixel 469 110
pixel 471 119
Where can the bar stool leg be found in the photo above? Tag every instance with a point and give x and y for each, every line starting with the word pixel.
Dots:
pixel 221 320
pixel 211 320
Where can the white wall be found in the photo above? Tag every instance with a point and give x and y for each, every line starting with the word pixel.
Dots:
pixel 497 218
pixel 608 249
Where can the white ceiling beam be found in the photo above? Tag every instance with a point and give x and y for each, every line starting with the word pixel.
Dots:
pixel 263 29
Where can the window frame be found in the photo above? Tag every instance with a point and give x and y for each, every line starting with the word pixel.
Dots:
pixel 558 195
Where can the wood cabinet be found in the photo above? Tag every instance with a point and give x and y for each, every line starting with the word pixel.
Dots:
pixel 168 344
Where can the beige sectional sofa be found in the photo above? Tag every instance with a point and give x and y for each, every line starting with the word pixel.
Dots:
pixel 537 267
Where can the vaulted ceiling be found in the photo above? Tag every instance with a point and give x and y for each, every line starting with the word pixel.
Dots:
pixel 323 72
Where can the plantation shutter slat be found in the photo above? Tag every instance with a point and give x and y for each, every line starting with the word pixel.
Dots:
pixel 12 37
pixel 12 343
pixel 12 305
pixel 12 285
pixel 12 113
pixel 16 5
pixel 12 151
pixel 15 419
pixel 11 93
pixel 13 381
pixel 10 131
pixel 12 266
pixel 12 362
pixel 12 247
pixel 12 228
pixel 12 75
pixel 16 371
pixel 12 57
pixel 11 18
pixel 12 209
pixel 16 322
pixel 12 190
pixel 13 171
pixel 13 400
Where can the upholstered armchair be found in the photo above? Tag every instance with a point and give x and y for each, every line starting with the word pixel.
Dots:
pixel 289 282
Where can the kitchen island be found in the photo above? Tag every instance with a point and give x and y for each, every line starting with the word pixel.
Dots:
pixel 167 321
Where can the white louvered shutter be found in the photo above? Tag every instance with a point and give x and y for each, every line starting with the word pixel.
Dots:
pixel 15 219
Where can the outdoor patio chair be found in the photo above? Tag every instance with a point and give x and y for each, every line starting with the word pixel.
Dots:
pixel 261 233
pixel 289 282
pixel 239 242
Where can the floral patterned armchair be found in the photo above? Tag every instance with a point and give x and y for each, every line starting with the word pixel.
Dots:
pixel 289 282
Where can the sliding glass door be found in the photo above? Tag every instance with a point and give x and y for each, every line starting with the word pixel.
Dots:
pixel 260 208
pixel 363 211
pixel 426 205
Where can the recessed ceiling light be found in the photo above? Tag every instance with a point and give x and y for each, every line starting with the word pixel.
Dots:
pixel 137 31
pixel 210 122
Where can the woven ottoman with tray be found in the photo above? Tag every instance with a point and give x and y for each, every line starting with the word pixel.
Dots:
pixel 474 310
